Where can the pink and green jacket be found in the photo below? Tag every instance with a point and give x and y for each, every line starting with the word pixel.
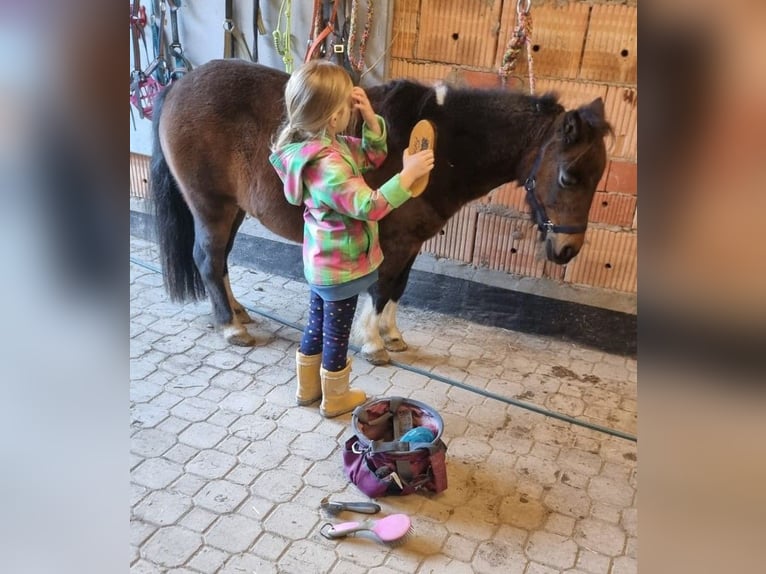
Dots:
pixel 340 232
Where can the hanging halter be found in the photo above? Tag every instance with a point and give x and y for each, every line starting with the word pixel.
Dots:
pixel 522 36
pixel 321 28
pixel 143 88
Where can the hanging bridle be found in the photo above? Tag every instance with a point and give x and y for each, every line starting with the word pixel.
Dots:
pixel 544 224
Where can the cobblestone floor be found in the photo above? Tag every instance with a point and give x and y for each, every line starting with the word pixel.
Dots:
pixel 227 472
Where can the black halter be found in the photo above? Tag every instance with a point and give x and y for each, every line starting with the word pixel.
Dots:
pixel 544 224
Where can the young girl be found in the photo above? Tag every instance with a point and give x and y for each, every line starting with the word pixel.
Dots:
pixel 322 170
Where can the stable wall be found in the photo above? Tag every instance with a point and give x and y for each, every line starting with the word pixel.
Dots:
pixel 582 50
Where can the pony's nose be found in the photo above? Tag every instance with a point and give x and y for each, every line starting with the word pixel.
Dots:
pixel 567 252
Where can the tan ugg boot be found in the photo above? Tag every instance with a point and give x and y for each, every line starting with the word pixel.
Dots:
pixel 337 397
pixel 309 382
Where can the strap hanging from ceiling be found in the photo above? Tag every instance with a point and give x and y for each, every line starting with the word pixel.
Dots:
pixel 233 35
pixel 521 37
pixel 281 35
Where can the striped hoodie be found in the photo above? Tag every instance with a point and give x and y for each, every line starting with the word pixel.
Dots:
pixel 340 231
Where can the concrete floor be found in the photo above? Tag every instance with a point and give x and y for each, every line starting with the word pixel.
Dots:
pixel 227 472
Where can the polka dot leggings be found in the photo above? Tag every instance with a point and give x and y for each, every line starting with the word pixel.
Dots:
pixel 328 330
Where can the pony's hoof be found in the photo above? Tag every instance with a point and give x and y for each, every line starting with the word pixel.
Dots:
pixel 243 316
pixel 242 340
pixel 239 337
pixel 379 357
pixel 396 345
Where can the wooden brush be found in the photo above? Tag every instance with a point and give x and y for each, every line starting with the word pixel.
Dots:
pixel 422 137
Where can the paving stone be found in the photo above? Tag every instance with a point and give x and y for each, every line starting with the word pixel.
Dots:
pixel 242 563
pixel 560 524
pixel 278 485
pixel 151 442
pixel 220 496
pixel 567 500
pixel 140 531
pixel 198 519
pixel 579 461
pixel 592 562
pixel 291 521
pixel 145 567
pixel 211 464
pixel 232 380
pixel 232 445
pixel 156 473
pixel 552 550
pixel 600 536
pixel 202 435
pixel 306 556
pixel 263 455
pixel 624 565
pixel 166 400
pixel 241 402
pixel 173 425
pixel 179 364
pixel 459 547
pixel 270 546
pixel 208 560
pixel 181 453
pixel 535 568
pixel 243 474
pixel 141 368
pixel 163 507
pixel 496 557
pixel 171 546
pixel 233 533
pixel 194 409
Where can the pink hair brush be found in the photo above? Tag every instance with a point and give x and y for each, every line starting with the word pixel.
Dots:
pixel 392 530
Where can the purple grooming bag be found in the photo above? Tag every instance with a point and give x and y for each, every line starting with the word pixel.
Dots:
pixel 379 464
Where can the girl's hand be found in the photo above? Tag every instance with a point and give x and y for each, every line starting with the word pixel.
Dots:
pixel 415 166
pixel 361 103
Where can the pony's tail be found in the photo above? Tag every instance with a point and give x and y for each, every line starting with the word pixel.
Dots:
pixel 174 222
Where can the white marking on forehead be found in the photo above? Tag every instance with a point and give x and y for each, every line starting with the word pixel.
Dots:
pixel 441 93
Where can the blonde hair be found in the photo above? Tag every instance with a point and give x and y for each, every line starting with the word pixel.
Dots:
pixel 312 95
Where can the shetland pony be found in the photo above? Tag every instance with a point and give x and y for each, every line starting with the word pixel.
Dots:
pixel 212 131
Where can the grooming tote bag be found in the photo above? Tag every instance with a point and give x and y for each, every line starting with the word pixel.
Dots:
pixel 379 463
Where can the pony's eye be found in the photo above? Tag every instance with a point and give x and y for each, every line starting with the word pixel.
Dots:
pixel 566 179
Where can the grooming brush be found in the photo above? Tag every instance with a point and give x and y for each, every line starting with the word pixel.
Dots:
pixel 392 530
pixel 422 136
pixel 333 508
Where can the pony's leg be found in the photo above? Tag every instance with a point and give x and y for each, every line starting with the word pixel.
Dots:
pixel 373 348
pixel 236 306
pixel 210 244
pixel 392 337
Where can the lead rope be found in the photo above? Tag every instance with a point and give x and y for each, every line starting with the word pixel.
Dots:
pixel 358 63
pixel 282 36
pixel 522 36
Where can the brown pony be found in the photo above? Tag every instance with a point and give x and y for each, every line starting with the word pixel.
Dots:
pixel 212 131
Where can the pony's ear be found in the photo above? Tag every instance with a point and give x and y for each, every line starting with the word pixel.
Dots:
pixel 594 115
pixel 571 128
pixel 596 107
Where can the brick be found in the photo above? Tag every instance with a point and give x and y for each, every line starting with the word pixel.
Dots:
pixel 622 177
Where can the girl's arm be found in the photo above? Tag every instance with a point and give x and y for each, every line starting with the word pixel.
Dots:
pixel 331 181
pixel 369 151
